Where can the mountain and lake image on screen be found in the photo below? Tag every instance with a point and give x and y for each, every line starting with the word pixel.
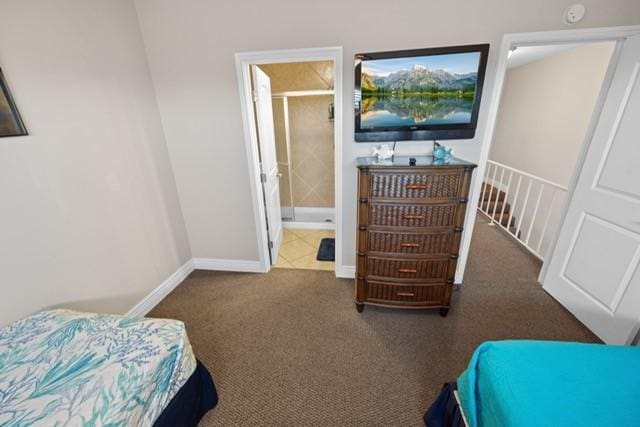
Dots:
pixel 418 91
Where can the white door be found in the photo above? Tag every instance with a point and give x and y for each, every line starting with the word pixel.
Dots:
pixel 595 268
pixel 268 159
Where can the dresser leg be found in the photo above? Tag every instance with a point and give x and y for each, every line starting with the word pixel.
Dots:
pixel 444 311
pixel 359 307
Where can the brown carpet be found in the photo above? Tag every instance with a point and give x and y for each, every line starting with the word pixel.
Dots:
pixel 289 348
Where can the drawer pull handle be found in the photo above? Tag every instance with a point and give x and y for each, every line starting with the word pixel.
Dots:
pixel 416 187
pixel 407 270
pixel 406 294
pixel 409 245
pixel 412 216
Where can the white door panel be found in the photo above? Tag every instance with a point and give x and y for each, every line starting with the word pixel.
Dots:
pixel 595 268
pixel 268 158
pixel 619 171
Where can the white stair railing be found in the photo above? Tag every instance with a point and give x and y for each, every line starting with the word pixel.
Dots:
pixel 530 213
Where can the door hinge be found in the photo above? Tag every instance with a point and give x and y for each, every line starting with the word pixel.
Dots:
pixel 263 177
pixel 270 244
pixel 254 95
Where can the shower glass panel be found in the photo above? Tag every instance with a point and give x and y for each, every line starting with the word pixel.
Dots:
pixel 283 152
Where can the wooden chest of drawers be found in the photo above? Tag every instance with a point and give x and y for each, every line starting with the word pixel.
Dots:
pixel 410 220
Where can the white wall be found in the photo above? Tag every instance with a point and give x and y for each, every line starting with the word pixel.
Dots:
pixel 545 109
pixel 90 215
pixel 89 212
pixel 191 46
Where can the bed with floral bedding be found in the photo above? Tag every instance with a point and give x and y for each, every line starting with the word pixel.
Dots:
pixel 62 367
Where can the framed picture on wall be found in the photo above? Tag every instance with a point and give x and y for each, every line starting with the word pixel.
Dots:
pixel 10 120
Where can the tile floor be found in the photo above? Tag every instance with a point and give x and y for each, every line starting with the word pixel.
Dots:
pixel 300 247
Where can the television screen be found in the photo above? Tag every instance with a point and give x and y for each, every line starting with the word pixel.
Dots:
pixel 419 94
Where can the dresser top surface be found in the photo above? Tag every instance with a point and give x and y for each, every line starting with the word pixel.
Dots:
pixel 403 161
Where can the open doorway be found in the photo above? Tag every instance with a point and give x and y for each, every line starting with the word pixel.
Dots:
pixel 294 130
pixel 593 258
pixel 302 95
pixel 549 96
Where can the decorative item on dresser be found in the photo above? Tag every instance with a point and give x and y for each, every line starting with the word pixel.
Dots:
pixel 411 215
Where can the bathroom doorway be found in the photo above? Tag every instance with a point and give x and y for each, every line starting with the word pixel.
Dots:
pixel 302 96
pixel 295 138
pixel 303 114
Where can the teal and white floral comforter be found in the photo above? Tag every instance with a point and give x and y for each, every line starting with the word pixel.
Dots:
pixel 64 368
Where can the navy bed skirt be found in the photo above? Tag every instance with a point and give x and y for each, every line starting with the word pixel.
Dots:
pixel 445 412
pixel 197 396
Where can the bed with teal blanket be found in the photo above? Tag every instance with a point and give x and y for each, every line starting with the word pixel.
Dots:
pixel 543 383
pixel 65 368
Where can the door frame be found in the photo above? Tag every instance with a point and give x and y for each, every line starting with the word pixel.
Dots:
pixel 509 41
pixel 243 61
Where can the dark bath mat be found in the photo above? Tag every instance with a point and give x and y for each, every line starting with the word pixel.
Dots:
pixel 327 250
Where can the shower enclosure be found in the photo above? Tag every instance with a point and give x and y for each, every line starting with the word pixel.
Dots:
pixel 303 124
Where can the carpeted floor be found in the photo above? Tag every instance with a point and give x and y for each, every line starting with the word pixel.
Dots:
pixel 289 348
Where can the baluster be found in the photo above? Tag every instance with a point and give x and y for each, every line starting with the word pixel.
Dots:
pixel 493 183
pixel 535 213
pixel 506 197
pixel 524 207
pixel 515 203
pixel 546 221
pixel 495 205
pixel 515 217
pixel 484 186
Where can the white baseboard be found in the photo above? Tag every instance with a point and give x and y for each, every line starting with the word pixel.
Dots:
pixel 228 265
pixel 165 288
pixel 346 272
pixel 158 294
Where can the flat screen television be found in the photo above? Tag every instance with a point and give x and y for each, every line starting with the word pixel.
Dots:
pixel 422 94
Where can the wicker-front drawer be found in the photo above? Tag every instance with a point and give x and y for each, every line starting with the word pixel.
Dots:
pixel 415 185
pixel 384 292
pixel 399 215
pixel 410 242
pixel 398 268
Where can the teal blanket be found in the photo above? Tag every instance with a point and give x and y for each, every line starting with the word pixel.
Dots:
pixel 546 383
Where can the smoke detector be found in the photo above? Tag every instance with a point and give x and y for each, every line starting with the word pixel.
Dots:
pixel 574 14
